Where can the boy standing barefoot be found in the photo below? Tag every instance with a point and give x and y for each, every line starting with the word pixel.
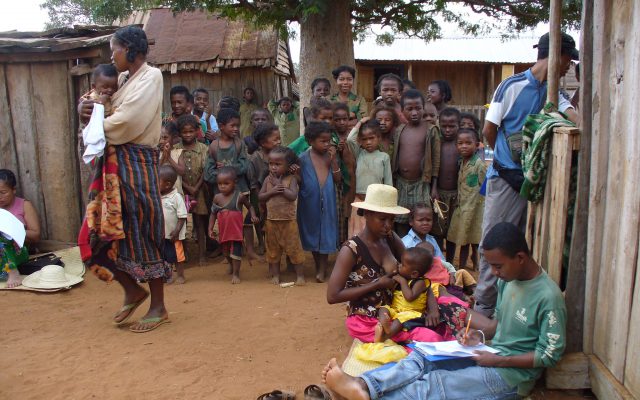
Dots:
pixel 416 161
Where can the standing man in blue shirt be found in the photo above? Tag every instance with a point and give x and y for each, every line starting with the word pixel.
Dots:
pixel 515 98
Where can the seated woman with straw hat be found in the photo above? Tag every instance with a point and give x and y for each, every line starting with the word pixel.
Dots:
pixel 364 267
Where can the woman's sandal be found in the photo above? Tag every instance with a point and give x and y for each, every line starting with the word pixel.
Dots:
pixel 315 392
pixel 277 395
pixel 129 309
pixel 156 321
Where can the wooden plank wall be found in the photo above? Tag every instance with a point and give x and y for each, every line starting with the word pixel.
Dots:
pixel 471 83
pixel 39 144
pixel 612 320
pixel 229 82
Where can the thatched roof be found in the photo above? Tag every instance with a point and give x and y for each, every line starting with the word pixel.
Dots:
pixel 202 41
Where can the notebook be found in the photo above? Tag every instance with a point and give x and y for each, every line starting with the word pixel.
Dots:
pixel 451 349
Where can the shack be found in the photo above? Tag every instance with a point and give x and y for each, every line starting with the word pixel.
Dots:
pixel 200 49
pixel 42 74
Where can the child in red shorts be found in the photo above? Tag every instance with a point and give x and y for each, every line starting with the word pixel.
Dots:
pixel 227 209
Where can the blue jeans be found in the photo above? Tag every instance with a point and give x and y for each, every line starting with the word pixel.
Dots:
pixel 416 378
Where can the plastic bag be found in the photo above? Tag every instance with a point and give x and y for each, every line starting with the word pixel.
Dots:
pixel 383 353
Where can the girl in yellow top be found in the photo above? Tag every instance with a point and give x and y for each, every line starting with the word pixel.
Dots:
pixel 413 300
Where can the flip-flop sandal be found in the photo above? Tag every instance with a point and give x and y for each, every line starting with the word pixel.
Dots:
pixel 315 392
pixel 156 321
pixel 129 309
pixel 277 395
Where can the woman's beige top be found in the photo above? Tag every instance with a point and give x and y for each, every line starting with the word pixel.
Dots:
pixel 137 115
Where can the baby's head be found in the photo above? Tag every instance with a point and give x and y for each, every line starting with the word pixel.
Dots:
pixel 104 79
pixel 280 159
pixel 227 179
pixel 421 218
pixel 416 262
pixel 427 246
pixel 168 177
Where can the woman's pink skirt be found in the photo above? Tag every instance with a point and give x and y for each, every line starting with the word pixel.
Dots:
pixel 363 328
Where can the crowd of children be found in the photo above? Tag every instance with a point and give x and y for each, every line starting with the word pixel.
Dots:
pixel 246 172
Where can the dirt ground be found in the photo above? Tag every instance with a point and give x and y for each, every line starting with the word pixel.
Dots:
pixel 225 341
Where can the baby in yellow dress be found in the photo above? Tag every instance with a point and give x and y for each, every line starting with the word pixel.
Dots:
pixel 412 298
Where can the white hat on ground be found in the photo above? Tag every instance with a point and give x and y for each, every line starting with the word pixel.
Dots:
pixel 51 277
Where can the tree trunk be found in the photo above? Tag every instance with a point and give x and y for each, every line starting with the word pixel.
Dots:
pixel 326 41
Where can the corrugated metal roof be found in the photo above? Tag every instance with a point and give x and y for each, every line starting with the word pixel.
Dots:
pixel 469 49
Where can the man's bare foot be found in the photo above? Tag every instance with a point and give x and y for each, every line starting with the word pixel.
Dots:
pixel 320 278
pixel 275 279
pixel 342 385
pixel 300 281
pixel 180 280
pixel 235 279
pixel 14 279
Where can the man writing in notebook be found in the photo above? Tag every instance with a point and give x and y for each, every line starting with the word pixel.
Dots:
pixel 528 331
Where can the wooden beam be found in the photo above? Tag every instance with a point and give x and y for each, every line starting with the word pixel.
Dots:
pixel 603 384
pixel 572 372
pixel 48 57
pixel 410 72
pixel 553 71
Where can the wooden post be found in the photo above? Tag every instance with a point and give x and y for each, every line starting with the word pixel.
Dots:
pixel 576 275
pixel 553 69
pixel 410 72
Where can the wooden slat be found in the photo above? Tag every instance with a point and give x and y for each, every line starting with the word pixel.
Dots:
pixel 560 171
pixel 8 154
pixel 604 385
pixel 572 372
pixel 632 368
pixel 96 52
pixel 56 148
pixel 26 139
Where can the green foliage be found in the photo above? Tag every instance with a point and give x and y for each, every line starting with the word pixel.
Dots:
pixel 419 18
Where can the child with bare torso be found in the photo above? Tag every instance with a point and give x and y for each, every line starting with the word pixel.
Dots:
pixel 448 178
pixel 416 161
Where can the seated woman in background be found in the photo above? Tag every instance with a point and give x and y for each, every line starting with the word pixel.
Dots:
pixel 23 210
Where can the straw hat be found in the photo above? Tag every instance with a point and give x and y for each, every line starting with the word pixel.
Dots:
pixel 381 198
pixel 51 277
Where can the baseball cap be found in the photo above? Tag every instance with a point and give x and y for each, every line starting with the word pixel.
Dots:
pixel 567 45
